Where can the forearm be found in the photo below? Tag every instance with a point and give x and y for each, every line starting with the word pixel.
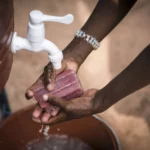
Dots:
pixel 133 78
pixel 106 15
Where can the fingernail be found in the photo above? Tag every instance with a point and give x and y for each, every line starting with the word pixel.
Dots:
pixel 36 115
pixel 54 113
pixel 44 119
pixel 45 97
pixel 30 93
pixel 49 87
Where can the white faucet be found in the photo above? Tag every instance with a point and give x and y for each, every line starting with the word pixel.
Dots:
pixel 36 41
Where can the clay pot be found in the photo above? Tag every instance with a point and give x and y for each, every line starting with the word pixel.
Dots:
pixel 18 130
pixel 6 29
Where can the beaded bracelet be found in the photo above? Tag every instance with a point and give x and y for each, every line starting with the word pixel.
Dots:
pixel 88 38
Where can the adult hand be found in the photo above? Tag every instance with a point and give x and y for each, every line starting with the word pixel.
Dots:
pixel 76 108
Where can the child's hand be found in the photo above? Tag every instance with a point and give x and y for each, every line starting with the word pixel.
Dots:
pixel 47 79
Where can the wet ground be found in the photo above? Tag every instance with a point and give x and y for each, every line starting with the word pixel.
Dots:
pixel 129 117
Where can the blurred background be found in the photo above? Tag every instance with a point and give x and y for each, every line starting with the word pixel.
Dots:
pixel 130 117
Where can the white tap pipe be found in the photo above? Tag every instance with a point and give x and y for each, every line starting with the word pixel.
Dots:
pixel 36 41
pixel 54 54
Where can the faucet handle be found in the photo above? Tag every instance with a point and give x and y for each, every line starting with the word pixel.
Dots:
pixel 67 19
pixel 37 17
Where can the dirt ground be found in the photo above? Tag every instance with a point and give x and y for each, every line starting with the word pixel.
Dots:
pixel 129 117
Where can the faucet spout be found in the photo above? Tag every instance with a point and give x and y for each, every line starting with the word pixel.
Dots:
pixel 55 55
pixel 50 47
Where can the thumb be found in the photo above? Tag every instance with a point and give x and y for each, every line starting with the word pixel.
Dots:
pixel 62 104
pixel 34 88
pixel 50 75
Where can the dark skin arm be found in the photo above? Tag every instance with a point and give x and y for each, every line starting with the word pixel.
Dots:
pixel 106 15
pixel 104 18
pixel 131 79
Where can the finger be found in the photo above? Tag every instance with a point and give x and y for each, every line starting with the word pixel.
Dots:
pixel 57 119
pixel 55 111
pixel 50 86
pixel 55 101
pixel 30 94
pixel 37 111
pixel 49 76
pixel 43 104
pixel 34 88
pixel 45 117
pixel 51 108
pixel 48 107
pixel 53 120
pixel 37 120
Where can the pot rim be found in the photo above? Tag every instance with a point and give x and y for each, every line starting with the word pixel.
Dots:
pixel 111 129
